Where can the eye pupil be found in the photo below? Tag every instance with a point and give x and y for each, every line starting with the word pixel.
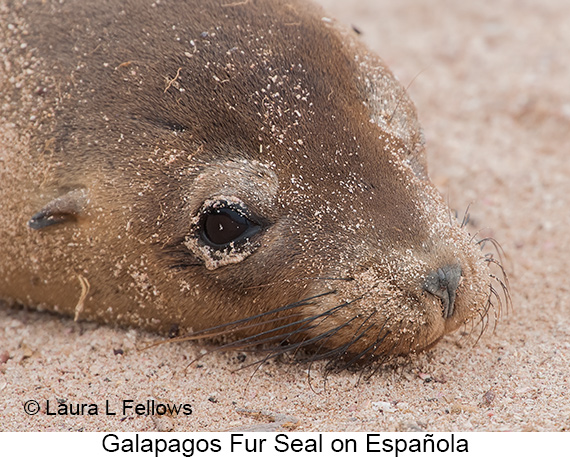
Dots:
pixel 225 225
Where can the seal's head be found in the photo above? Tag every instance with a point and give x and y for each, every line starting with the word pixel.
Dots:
pixel 252 170
pixel 311 218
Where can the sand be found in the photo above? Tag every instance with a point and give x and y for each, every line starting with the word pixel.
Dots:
pixel 491 83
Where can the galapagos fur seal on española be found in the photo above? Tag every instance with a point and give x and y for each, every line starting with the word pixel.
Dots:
pixel 241 168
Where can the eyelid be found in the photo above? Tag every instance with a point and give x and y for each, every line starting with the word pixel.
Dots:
pixel 221 207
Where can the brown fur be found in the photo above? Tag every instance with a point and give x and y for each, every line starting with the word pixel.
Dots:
pixel 121 119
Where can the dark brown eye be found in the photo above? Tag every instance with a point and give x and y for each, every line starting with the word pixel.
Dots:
pixel 222 226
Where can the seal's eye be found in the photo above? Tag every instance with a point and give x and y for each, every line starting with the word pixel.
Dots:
pixel 226 225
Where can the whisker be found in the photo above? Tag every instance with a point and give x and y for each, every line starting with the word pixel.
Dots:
pixel 503 271
pixel 476 241
pixel 341 350
pixel 484 325
pixel 301 326
pixel 237 325
pixel 193 337
pixel 484 312
pixel 466 217
pixel 334 364
pixel 496 245
pixel 496 310
pixel 244 343
pixel 505 289
pixel 304 343
pixel 495 300
pixel 403 94
pixel 326 335
pixel 371 347
pixel 382 359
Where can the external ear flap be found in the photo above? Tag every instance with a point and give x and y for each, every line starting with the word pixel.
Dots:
pixel 62 209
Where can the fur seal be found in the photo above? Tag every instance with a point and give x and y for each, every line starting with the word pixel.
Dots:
pixel 246 169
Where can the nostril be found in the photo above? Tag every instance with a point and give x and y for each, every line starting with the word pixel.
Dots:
pixel 443 283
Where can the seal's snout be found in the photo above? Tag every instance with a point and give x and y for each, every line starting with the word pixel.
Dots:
pixel 443 283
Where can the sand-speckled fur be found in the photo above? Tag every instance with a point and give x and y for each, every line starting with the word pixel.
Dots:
pixel 147 110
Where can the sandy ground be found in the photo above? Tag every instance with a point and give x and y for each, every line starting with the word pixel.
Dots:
pixel 491 83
